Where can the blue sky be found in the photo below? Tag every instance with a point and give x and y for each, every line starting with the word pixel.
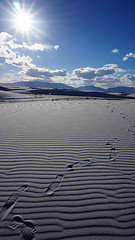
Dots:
pixel 88 42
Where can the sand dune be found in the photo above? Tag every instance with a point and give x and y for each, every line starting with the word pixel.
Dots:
pixel 33 94
pixel 67 169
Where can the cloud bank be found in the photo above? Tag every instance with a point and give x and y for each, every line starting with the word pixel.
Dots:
pixel 9 53
pixel 14 54
pixel 128 80
pixel 10 41
pixel 110 75
pixel 9 47
pixel 92 73
pixel 105 76
pixel 45 73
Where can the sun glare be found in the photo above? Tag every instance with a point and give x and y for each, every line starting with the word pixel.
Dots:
pixel 23 22
pixel 22 18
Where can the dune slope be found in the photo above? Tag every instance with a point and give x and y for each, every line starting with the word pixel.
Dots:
pixel 67 170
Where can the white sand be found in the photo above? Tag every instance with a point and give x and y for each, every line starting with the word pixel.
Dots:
pixel 78 159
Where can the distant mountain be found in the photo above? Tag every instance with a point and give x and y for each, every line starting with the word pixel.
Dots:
pixel 38 84
pixel 43 88
pixel 122 89
pixel 91 88
pixel 41 84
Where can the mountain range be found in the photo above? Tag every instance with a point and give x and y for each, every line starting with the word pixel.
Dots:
pixel 41 84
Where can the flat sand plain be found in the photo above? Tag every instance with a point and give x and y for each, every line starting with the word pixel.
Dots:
pixel 67 169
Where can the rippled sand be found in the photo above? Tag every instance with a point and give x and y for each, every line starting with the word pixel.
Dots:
pixel 67 169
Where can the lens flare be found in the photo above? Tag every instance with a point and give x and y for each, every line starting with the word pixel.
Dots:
pixel 17 6
pixel 22 18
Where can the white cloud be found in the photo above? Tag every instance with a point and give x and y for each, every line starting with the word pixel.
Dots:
pixel 38 47
pixel 8 51
pixel 4 36
pixel 10 56
pixel 128 80
pixel 56 47
pixel 106 76
pixel 125 58
pixel 45 73
pixel 115 50
pixel 23 61
pixel 109 75
pixel 107 81
pixel 89 73
pixel 105 71
pixel 10 77
pixel 10 41
pixel 129 55
pixel 85 73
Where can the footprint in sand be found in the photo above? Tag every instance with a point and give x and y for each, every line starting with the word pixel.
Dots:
pixel 124 115
pixel 25 228
pixel 54 185
pixel 112 110
pixel 11 201
pixel 132 129
pixel 77 165
pixel 113 154
pixel 111 142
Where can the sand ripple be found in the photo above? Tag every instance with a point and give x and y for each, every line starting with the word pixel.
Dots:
pixel 67 170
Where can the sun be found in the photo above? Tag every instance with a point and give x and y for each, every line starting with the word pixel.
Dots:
pixel 22 18
pixel 23 22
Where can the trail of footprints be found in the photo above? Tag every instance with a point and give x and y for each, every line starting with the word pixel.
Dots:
pixel 76 165
pixel 27 229
pixel 124 116
pixel 130 129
